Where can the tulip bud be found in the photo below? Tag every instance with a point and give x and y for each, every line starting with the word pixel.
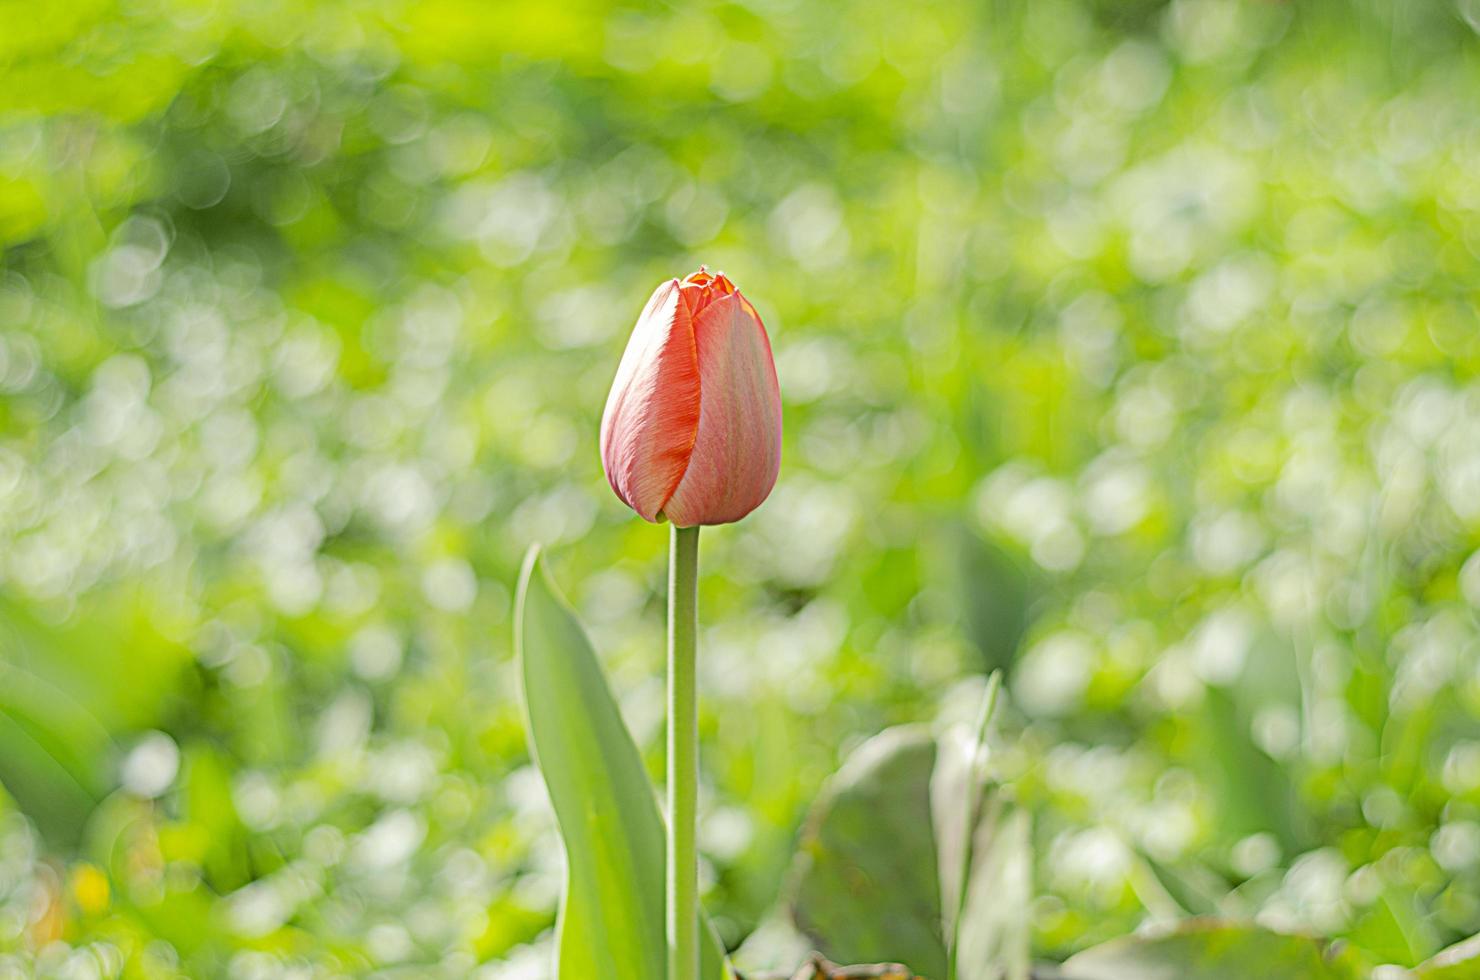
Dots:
pixel 692 427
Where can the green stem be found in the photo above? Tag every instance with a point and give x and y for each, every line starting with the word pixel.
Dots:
pixel 683 755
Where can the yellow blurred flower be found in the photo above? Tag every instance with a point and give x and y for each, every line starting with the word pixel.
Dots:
pixel 89 888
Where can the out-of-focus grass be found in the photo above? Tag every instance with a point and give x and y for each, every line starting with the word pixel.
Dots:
pixel 1130 346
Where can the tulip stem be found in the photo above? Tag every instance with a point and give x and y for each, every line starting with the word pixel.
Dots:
pixel 683 755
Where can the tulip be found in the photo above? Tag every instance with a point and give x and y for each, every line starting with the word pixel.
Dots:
pixel 692 427
pixel 691 434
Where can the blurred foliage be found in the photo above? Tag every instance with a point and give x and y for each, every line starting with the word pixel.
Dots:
pixel 1131 345
pixel 1207 950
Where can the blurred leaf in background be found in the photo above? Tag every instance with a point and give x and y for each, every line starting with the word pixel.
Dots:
pixel 1201 950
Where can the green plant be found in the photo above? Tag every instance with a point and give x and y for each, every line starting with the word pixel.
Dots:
pixel 909 855
pixel 611 922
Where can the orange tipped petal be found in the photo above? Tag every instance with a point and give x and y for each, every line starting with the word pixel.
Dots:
pixel 652 414
pixel 737 451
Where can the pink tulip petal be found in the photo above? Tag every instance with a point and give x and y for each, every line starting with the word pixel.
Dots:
pixel 737 452
pixel 653 412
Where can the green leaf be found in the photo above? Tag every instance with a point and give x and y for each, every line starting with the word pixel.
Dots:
pixel 986 918
pixel 995 595
pixel 868 886
pixel 1208 949
pixel 1458 962
pixel 1195 889
pixel 53 756
pixel 995 927
pixel 1253 791
pixel 878 873
pixel 1394 930
pixel 611 915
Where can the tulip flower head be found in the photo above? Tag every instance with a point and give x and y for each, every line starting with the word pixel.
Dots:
pixel 692 427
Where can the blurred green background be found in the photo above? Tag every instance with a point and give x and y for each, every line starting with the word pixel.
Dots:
pixel 1129 346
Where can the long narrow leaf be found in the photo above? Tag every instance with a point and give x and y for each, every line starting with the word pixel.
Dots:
pixel 985 861
pixel 611 915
